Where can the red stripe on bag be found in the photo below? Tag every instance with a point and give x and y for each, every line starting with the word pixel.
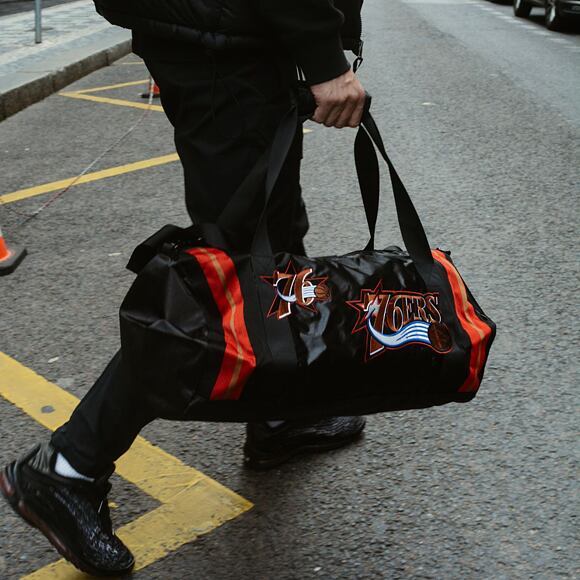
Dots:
pixel 239 360
pixel 479 333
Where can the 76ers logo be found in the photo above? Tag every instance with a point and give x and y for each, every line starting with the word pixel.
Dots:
pixel 296 288
pixel 394 319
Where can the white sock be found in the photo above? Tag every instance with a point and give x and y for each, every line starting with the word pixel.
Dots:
pixel 274 424
pixel 65 469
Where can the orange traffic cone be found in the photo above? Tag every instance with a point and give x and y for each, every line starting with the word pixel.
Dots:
pixel 152 92
pixel 9 257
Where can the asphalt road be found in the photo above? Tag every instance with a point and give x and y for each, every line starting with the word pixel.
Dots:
pixel 482 116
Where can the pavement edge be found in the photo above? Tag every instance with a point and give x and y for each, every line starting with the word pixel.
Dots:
pixel 26 88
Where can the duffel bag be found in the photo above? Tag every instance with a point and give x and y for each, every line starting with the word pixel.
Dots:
pixel 213 334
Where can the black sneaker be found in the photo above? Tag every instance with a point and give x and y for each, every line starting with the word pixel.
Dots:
pixel 267 447
pixel 73 514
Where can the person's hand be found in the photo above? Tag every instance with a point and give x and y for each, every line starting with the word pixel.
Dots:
pixel 339 102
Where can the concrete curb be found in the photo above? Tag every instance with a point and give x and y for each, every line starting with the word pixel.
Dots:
pixel 22 89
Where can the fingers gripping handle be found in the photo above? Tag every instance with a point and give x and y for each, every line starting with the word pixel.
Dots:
pixel 306 103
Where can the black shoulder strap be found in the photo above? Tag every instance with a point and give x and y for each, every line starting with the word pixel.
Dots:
pixel 410 224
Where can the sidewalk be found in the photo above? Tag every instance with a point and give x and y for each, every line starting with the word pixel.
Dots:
pixel 17 6
pixel 76 41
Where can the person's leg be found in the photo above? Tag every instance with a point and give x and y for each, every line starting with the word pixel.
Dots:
pixel 104 424
pixel 61 486
pixel 219 138
pixel 225 117
pixel 225 112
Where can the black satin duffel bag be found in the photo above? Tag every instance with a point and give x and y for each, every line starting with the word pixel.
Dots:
pixel 210 334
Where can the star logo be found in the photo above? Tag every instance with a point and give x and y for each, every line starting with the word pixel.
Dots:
pixel 395 319
pixel 296 288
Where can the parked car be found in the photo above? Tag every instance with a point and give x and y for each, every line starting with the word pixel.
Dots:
pixel 558 12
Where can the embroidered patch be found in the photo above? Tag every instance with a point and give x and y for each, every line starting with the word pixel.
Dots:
pixel 394 319
pixel 296 288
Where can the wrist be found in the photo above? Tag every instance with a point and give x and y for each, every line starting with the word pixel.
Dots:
pixel 322 60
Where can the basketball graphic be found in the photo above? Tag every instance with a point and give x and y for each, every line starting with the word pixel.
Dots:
pixel 440 336
pixel 322 292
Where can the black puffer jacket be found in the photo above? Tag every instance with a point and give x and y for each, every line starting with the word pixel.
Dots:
pixel 313 31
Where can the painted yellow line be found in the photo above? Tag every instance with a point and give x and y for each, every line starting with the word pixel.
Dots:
pixel 192 504
pixel 150 468
pixel 108 101
pixel 111 87
pixel 164 530
pixel 88 178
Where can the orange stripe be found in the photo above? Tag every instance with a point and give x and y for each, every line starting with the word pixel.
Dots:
pixel 223 264
pixel 478 332
pixel 239 360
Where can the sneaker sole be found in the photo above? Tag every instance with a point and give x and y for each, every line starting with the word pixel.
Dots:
pixel 264 462
pixel 9 490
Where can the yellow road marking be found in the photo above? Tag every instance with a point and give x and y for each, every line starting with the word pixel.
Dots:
pixel 192 504
pixel 162 531
pixel 111 87
pixel 108 101
pixel 88 178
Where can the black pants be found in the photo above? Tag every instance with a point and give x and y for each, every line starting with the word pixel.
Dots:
pixel 225 109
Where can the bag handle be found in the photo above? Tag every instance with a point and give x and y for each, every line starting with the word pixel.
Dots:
pixel 410 224
pixel 368 137
pixel 367 171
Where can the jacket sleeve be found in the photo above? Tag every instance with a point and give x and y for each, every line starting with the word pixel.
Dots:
pixel 310 31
